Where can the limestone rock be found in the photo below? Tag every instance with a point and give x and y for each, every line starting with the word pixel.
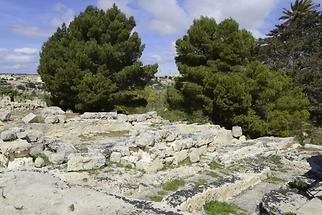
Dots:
pixel 116 157
pixel 148 166
pixel 15 149
pixel 39 162
pixel 3 160
pixel 85 161
pixel 56 158
pixel 51 120
pixel 8 135
pixel 30 118
pixel 58 146
pixel 129 160
pixel 242 138
pixel 51 111
pixel 145 139
pixel 180 156
pixel 5 115
pixel 20 163
pixel 194 155
pixel 237 131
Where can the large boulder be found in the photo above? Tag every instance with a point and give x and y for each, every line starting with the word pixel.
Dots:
pixel 8 135
pixel 5 115
pixel 236 131
pixel 194 155
pixel 15 149
pixel 85 161
pixel 52 111
pixel 150 166
pixel 145 139
pixel 180 156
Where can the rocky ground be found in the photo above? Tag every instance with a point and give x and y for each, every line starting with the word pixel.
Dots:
pixel 54 162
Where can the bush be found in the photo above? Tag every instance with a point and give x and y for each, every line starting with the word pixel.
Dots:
pixel 223 82
pixel 93 64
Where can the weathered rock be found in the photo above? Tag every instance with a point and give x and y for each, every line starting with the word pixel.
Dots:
pixel 176 145
pixel 51 111
pixel 3 160
pixel 15 149
pixel 85 161
pixel 129 160
pixel 242 138
pixel 148 166
pixel 56 158
pixel 237 131
pixel 8 135
pixel 39 162
pixel 20 163
pixel 58 146
pixel 180 156
pixel 145 139
pixel 30 118
pixel 116 157
pixel 5 115
pixel 51 120
pixel 33 136
pixel 99 115
pixel 194 155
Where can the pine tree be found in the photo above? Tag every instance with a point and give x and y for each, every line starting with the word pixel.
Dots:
pixel 93 64
pixel 221 78
pixel 295 47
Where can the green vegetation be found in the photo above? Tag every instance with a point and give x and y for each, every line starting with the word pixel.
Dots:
pixel 35 155
pixel 274 180
pixel 200 182
pixel 173 185
pixel 300 185
pixel 222 208
pixel 295 46
pixel 215 165
pixel 14 95
pixel 222 80
pixel 214 174
pixel 158 197
pixel 93 64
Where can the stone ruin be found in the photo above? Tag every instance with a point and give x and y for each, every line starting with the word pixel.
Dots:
pixel 124 161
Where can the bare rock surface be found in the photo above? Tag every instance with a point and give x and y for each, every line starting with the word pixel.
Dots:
pixel 109 163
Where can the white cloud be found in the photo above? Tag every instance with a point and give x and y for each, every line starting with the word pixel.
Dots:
pixel 168 16
pixel 250 14
pixel 29 31
pixel 124 5
pixel 18 60
pixel 66 15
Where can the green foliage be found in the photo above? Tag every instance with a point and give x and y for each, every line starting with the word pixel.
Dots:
pixel 14 95
pixel 215 165
pixel 173 185
pixel 295 47
pixel 221 80
pixel 274 180
pixel 93 64
pixel 158 197
pixel 300 185
pixel 200 182
pixel 222 208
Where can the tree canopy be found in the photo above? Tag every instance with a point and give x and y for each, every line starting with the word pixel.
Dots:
pixel 221 79
pixel 93 64
pixel 295 46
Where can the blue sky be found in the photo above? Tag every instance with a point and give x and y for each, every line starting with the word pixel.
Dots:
pixel 26 24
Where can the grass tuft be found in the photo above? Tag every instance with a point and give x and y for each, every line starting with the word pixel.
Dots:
pixel 173 185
